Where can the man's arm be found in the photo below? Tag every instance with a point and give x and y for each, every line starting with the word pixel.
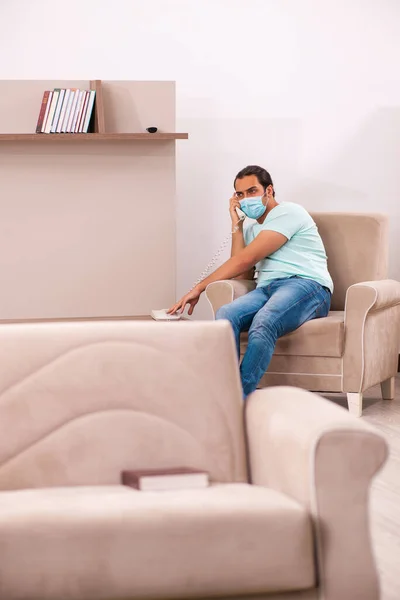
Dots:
pixel 265 244
pixel 238 245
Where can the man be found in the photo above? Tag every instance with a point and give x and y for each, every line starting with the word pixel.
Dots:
pixel 283 246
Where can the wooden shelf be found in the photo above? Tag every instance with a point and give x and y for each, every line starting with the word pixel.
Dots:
pixel 48 138
pixel 97 131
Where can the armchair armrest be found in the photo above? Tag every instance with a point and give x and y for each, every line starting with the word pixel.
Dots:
pixel 223 292
pixel 372 333
pixel 374 294
pixel 315 452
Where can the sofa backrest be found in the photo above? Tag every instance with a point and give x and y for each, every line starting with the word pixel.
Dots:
pixel 81 401
pixel 357 248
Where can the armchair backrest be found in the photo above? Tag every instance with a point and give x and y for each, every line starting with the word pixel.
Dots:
pixel 81 401
pixel 357 248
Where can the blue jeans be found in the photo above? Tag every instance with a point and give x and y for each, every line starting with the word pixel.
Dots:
pixel 269 312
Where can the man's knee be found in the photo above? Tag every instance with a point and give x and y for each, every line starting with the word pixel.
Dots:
pixel 224 312
pixel 264 325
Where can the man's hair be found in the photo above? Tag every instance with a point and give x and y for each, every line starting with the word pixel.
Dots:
pixel 264 178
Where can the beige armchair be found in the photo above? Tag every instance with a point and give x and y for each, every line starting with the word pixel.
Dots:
pixel 79 402
pixel 357 345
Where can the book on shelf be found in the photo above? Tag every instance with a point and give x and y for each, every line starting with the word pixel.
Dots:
pixel 63 110
pixel 157 480
pixel 49 101
pixel 77 110
pixel 44 108
pixel 72 112
pixel 68 106
pixel 84 113
pixel 61 94
pixel 92 95
pixel 66 111
pixel 52 110
pixel 80 111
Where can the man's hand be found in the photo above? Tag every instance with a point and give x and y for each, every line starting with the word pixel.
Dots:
pixel 233 205
pixel 191 298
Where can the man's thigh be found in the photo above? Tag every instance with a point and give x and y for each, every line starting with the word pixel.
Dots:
pixel 242 310
pixel 292 302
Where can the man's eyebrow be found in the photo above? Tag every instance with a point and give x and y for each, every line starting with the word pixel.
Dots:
pixel 253 187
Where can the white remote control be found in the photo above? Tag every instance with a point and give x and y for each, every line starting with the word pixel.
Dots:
pixel 162 315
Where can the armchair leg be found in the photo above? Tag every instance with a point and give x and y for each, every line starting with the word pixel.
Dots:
pixel 355 401
pixel 387 388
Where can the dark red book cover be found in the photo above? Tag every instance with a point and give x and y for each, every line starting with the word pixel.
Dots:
pixel 42 111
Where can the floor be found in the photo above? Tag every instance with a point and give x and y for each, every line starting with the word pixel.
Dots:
pixel 385 498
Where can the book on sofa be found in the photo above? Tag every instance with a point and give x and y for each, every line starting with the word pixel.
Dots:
pixel 157 480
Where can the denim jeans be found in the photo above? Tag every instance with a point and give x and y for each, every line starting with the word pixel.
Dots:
pixel 269 312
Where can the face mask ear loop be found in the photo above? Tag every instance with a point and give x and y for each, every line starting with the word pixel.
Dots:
pixel 266 206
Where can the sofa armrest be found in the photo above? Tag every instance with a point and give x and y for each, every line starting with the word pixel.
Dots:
pixel 220 293
pixel 315 452
pixel 372 331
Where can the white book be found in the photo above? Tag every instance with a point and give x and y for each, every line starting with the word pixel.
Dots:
pixel 89 111
pixel 46 114
pixel 83 119
pixel 77 109
pixel 68 128
pixel 83 113
pixel 63 110
pixel 67 111
pixel 81 106
pixel 58 111
pixel 51 111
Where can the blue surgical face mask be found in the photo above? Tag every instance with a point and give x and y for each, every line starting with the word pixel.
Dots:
pixel 253 207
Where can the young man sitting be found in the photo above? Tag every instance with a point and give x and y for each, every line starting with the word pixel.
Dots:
pixel 283 247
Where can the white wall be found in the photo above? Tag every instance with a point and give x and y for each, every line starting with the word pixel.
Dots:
pixel 310 89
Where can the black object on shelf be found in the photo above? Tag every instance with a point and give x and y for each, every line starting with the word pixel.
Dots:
pixel 151 129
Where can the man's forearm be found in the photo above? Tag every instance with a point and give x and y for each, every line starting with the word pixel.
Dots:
pixel 233 267
pixel 237 246
pixel 237 240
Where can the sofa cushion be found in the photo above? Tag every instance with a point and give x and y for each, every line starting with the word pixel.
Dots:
pixel 102 542
pixel 319 337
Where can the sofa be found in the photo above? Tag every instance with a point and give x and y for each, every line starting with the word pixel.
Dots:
pixel 286 514
pixel 357 345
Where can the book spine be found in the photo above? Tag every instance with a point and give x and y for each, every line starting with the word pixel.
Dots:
pixel 58 111
pixel 42 112
pixel 52 111
pixel 78 120
pixel 89 111
pixel 77 110
pixel 46 114
pixel 72 113
pixel 63 110
pixel 68 110
pixel 83 115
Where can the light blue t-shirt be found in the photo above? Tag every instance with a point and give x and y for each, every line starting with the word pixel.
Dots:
pixel 303 254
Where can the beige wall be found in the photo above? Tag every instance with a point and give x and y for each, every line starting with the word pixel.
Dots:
pixel 87 229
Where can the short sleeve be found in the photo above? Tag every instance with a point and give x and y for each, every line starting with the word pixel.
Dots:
pixel 286 219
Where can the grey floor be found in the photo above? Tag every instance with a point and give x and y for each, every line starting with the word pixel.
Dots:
pixel 385 497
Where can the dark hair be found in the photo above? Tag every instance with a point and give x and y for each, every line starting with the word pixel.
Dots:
pixel 264 178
